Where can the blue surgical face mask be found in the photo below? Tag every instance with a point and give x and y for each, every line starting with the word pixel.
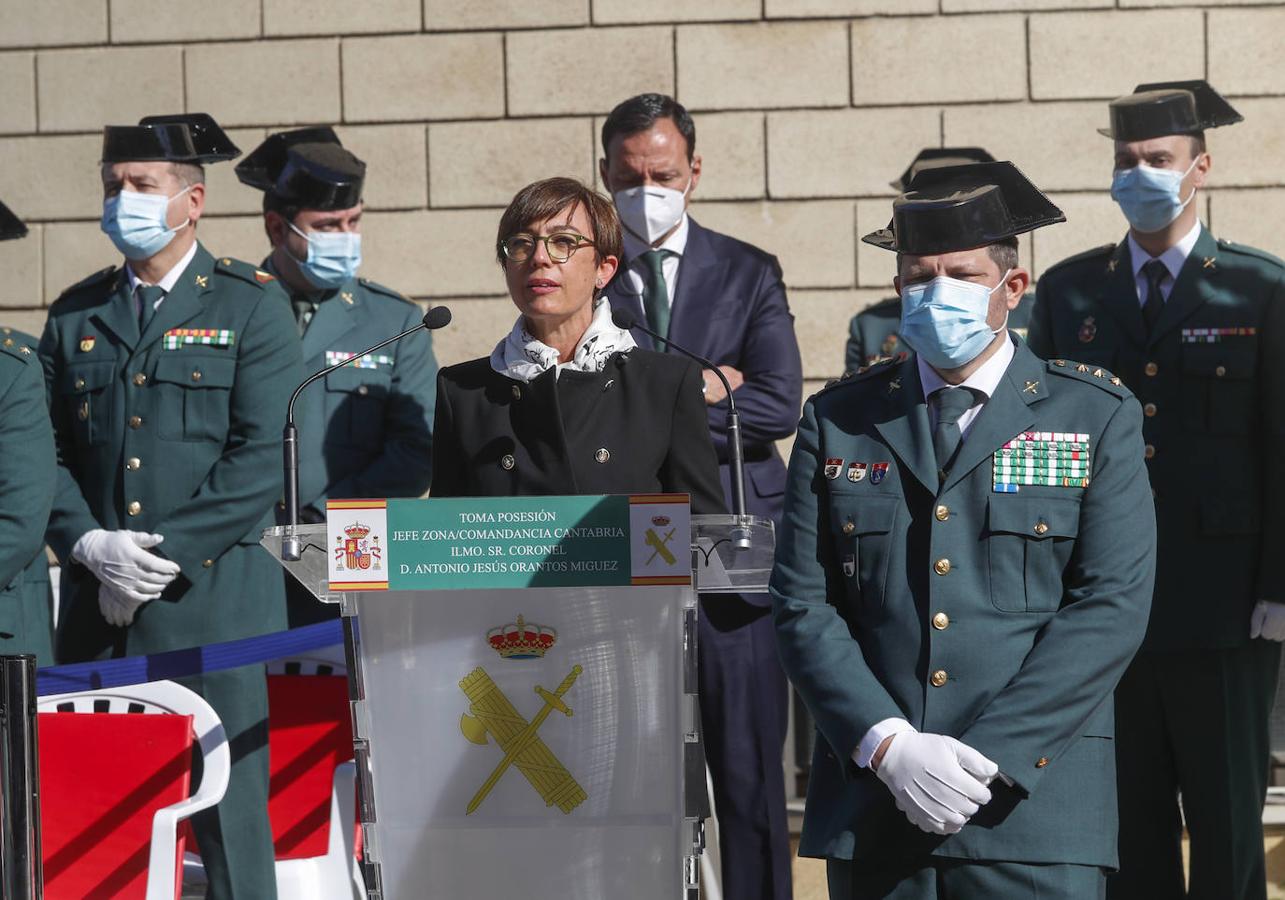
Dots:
pixel 138 223
pixel 333 257
pixel 1150 198
pixel 944 320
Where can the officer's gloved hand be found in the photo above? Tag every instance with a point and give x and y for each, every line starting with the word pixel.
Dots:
pixel 119 560
pixel 938 782
pixel 117 610
pixel 1267 621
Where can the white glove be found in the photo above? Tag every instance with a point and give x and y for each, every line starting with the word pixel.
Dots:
pixel 938 782
pixel 119 560
pixel 117 610
pixel 1267 621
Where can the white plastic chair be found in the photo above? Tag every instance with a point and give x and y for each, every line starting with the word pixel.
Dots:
pixel 163 697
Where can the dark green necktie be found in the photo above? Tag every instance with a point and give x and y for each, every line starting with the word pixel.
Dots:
pixel 1154 302
pixel 655 294
pixel 148 296
pixel 951 403
pixel 304 309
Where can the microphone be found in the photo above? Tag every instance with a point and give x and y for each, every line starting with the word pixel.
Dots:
pixel 623 317
pixel 291 547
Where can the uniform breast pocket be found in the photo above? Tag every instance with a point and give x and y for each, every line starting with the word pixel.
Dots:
pixel 355 402
pixel 862 527
pixel 1029 544
pixel 194 396
pixel 85 392
pixel 1218 386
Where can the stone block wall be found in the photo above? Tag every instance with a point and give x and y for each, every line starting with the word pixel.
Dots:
pixel 805 110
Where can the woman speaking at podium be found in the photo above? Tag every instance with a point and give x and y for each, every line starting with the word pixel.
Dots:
pixel 566 403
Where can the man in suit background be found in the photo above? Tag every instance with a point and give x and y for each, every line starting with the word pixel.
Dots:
pixel 872 333
pixel 963 573
pixel 1196 327
pixel 724 300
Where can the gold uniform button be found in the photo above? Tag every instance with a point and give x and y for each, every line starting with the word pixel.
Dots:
pixel 1149 410
pixel 1151 369
pixel 80 384
pixel 1220 371
pixel 602 455
pixel 133 463
pixel 1041 528
pixel 134 508
pixel 941 621
pixel 1149 451
pixel 1041 762
pixel 941 566
pixel 140 379
pixel 940 677
pixel 363 389
pixel 209 563
pixel 507 461
pixel 196 374
pixel 942 513
pixel 849 527
pixel 135 421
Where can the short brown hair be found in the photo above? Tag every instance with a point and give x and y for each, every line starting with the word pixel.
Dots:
pixel 542 200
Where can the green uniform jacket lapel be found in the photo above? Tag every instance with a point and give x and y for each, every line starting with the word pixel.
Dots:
pixel 335 316
pixel 183 301
pixel 1192 288
pixel 1119 295
pixel 119 316
pixel 907 430
pixel 1005 414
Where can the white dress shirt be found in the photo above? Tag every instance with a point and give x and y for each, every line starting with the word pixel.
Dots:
pixel 1173 258
pixel 983 383
pixel 166 284
pixel 637 273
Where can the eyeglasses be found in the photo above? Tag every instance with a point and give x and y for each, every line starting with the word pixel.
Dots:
pixel 560 246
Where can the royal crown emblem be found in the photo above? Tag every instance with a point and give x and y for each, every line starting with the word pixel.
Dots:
pixel 521 640
pixel 357 531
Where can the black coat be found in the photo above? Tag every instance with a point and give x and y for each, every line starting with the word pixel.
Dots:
pixel 636 427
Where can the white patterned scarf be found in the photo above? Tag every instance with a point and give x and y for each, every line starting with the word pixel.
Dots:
pixel 522 358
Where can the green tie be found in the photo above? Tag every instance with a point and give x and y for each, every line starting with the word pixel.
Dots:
pixel 148 296
pixel 304 309
pixel 655 295
pixel 951 404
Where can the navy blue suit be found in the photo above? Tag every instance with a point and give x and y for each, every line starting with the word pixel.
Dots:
pixel 730 307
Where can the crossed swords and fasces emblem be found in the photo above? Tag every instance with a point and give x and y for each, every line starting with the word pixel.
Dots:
pixel 658 546
pixel 490 712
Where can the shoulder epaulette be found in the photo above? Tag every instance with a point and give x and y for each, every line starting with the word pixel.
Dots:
pixel 99 276
pixel 1097 253
pixel 381 289
pixel 18 350
pixel 881 367
pixel 226 265
pixel 1095 375
pixel 1246 250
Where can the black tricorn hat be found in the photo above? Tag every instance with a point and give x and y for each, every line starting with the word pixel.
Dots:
pixel 307 167
pixel 936 157
pixel 11 226
pixel 1168 107
pixel 182 138
pixel 960 207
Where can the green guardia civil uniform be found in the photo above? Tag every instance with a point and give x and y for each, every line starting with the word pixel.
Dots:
pixel 997 600
pixel 26 494
pixel 177 431
pixel 1193 709
pixel 872 333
